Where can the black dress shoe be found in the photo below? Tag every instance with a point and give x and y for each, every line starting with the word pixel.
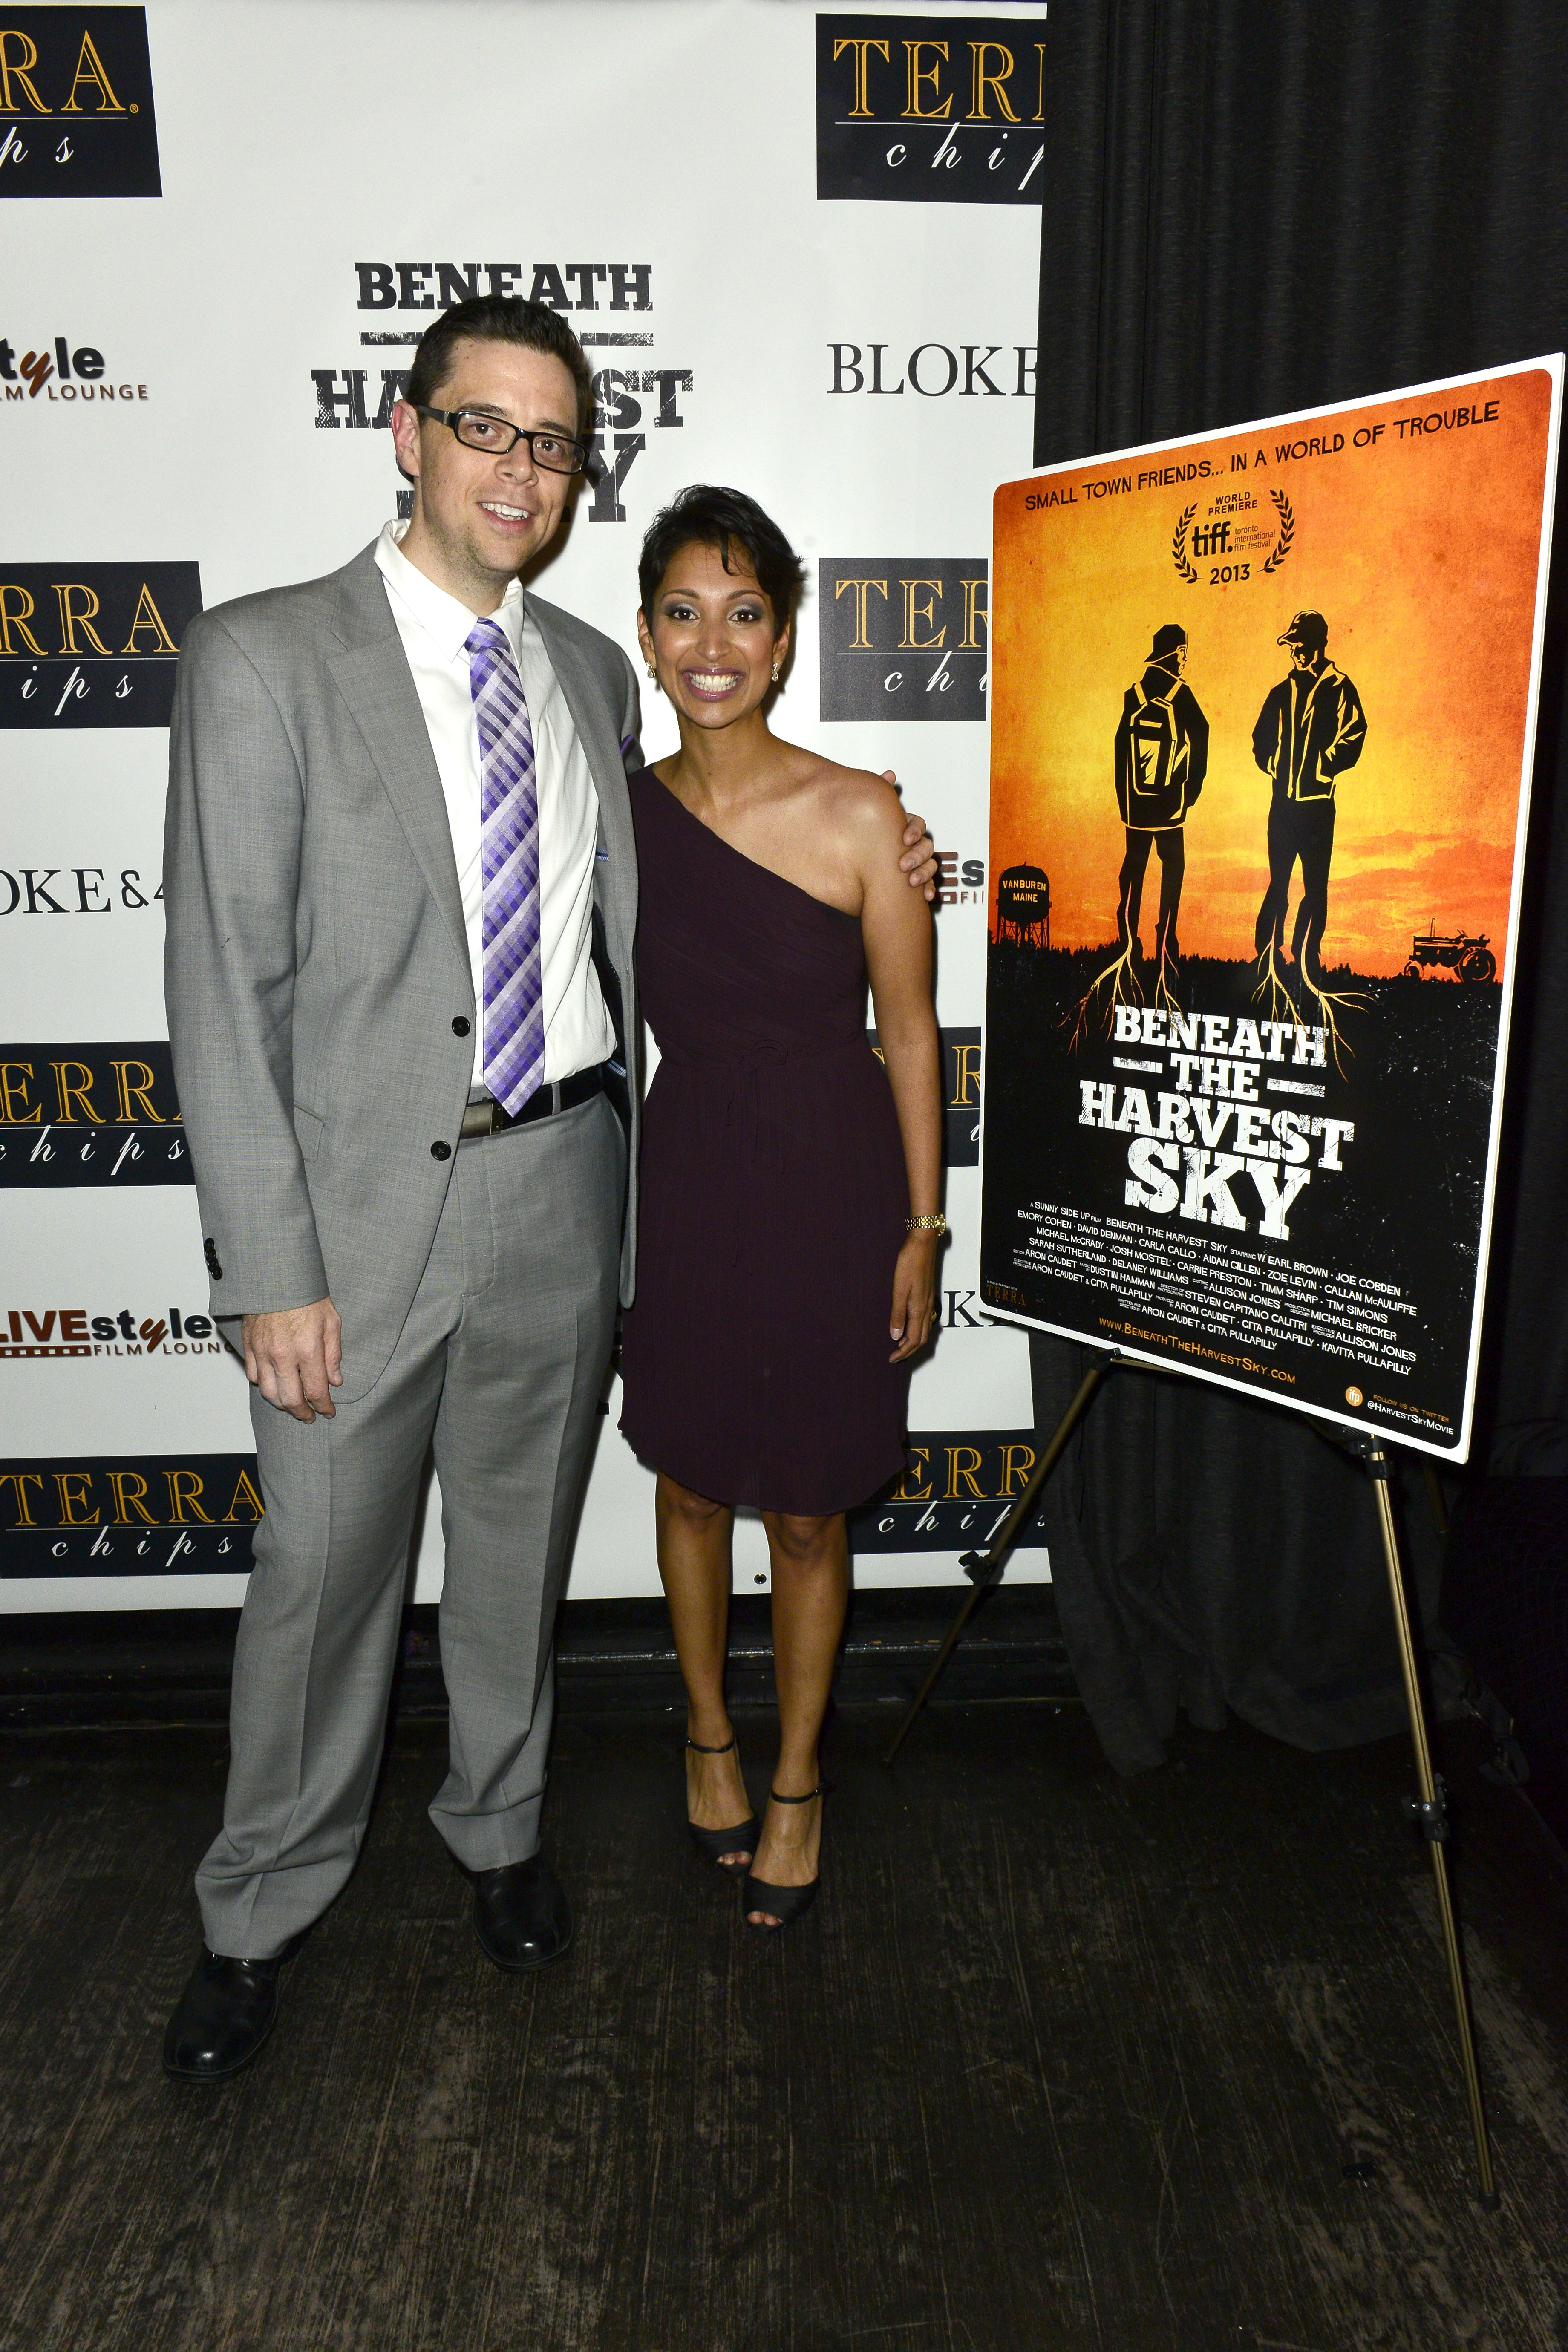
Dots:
pixel 521 1917
pixel 223 2016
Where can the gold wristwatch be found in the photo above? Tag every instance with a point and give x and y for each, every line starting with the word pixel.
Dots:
pixel 936 1223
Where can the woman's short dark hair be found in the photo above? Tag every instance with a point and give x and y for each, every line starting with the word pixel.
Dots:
pixel 498 319
pixel 706 516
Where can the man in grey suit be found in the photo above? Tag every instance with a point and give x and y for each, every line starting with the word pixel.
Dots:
pixel 401 889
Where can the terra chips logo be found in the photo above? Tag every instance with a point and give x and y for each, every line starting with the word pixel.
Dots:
pixel 932 109
pixel 78 1114
pixel 957 1488
pixel 138 1515
pixel 904 637
pixel 75 103
pixel 961 1068
pixel 92 645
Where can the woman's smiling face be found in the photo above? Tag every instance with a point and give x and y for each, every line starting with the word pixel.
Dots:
pixel 712 637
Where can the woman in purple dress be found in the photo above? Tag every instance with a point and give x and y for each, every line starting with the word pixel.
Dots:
pixel 791 1181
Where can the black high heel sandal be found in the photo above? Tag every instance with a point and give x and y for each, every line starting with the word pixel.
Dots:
pixel 785 1904
pixel 713 1845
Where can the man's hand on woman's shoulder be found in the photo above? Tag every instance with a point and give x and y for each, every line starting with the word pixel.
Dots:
pixel 919 860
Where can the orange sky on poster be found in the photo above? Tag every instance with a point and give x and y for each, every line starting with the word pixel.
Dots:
pixel 1420 550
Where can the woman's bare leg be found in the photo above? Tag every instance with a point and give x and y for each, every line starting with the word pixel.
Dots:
pixel 694 1562
pixel 811 1593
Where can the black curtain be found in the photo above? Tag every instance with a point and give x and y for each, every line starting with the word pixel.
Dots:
pixel 1262 207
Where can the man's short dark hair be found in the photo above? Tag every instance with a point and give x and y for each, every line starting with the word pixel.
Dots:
pixel 708 516
pixel 497 318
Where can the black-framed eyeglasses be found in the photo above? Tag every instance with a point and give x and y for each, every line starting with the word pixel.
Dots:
pixel 554 452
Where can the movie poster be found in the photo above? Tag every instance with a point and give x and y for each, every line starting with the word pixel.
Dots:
pixel 1262 723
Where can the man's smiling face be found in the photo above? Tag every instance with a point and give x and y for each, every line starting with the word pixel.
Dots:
pixel 478 518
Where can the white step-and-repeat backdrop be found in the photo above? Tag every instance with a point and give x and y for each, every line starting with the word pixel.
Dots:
pixel 801 249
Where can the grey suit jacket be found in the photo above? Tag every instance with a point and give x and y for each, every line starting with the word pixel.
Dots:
pixel 316 961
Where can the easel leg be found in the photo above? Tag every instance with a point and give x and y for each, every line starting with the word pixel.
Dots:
pixel 1435 1496
pixel 1430 1811
pixel 984 1568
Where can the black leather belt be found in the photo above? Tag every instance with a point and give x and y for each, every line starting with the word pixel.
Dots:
pixel 561 1094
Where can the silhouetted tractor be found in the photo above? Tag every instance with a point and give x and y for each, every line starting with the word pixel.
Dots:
pixel 1433 952
pixel 1023 906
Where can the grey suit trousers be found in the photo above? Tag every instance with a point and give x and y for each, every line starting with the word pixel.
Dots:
pixel 500 1367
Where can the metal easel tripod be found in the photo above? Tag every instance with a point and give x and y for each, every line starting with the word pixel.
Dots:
pixel 1428 1810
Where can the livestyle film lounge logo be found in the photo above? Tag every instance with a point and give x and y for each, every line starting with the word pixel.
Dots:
pixel 78 1114
pixel 139 1514
pixel 32 1335
pixel 75 103
pixel 903 637
pixel 92 645
pixel 956 1490
pixel 609 304
pixel 68 376
pixel 932 109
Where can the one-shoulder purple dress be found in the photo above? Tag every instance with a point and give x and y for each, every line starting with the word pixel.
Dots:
pixel 773 1192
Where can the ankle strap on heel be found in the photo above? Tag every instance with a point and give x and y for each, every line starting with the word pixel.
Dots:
pixel 700 1750
pixel 779 1799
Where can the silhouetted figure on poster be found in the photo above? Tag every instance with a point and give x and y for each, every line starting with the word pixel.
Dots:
pixel 1162 758
pixel 1308 732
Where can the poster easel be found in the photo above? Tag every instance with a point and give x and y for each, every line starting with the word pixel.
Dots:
pixel 1427 1810
pixel 1242 1107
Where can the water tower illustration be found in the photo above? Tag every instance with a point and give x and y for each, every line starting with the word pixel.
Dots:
pixel 1023 907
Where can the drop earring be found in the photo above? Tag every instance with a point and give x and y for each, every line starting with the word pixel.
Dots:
pixel 776 673
pixel 653 673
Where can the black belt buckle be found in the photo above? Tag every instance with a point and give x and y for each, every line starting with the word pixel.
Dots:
pixel 557 1095
pixel 479 1120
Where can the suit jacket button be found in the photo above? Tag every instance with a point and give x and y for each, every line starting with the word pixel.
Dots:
pixel 440 1151
pixel 461 1025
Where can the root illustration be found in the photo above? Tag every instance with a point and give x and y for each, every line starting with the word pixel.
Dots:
pixel 1272 991
pixel 1312 1004
pixel 1163 991
pixel 1326 1000
pixel 1116 984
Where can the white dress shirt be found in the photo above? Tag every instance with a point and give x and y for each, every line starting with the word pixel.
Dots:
pixel 434 627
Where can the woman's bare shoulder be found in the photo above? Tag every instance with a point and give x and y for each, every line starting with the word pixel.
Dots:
pixel 854 800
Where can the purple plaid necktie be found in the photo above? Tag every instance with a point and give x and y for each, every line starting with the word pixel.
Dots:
pixel 514 1063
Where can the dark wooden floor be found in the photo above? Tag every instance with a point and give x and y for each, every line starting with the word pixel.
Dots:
pixel 1059 2060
